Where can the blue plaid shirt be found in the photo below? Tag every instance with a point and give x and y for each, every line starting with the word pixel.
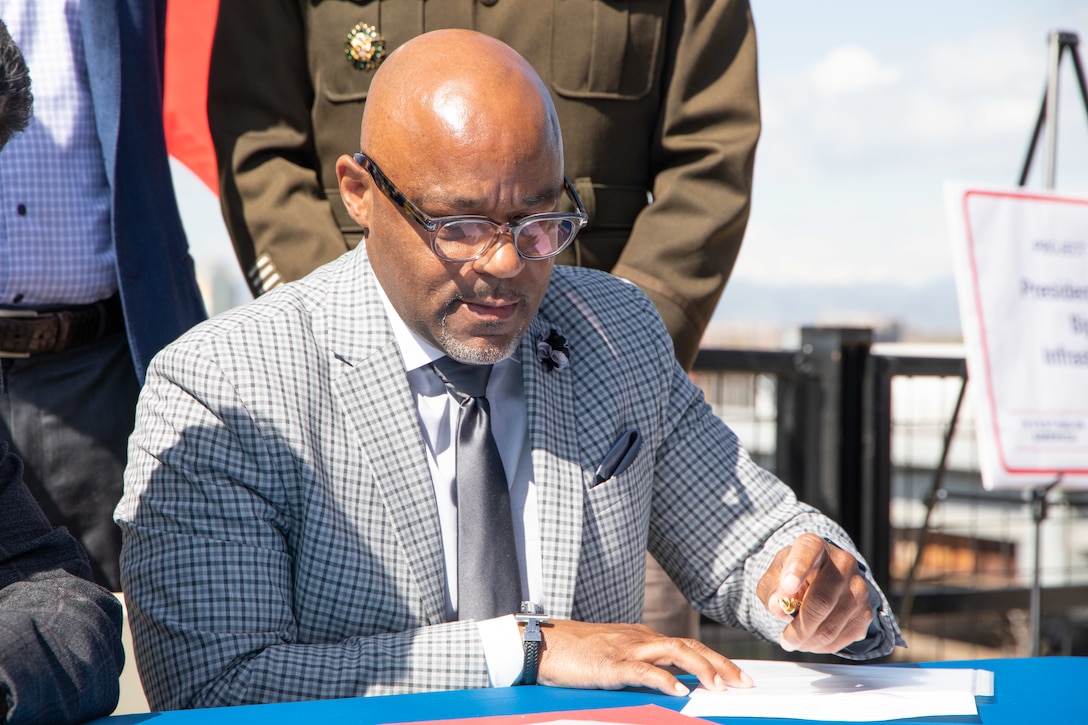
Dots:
pixel 55 241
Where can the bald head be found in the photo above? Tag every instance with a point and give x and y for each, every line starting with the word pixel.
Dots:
pixel 456 94
pixel 461 126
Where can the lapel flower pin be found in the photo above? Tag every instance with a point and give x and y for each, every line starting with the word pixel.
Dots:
pixel 553 351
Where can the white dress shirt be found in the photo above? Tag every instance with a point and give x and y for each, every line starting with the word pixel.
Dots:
pixel 438 420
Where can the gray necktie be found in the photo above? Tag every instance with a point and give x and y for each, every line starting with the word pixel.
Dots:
pixel 488 578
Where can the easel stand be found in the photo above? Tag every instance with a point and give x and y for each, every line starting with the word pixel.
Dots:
pixel 1038 515
pixel 1058 43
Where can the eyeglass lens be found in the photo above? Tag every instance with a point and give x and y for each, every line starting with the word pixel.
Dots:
pixel 537 238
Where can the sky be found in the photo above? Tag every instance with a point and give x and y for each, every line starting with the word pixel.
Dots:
pixel 868 109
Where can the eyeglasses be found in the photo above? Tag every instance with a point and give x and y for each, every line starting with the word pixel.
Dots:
pixel 465 238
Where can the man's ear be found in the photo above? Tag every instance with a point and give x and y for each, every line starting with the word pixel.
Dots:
pixel 356 190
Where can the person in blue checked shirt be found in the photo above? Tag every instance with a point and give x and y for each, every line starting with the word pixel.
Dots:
pixel 60 634
pixel 95 272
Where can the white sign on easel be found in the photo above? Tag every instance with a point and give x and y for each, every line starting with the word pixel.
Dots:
pixel 1022 281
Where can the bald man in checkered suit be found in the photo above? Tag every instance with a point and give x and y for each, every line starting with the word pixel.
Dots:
pixel 284 515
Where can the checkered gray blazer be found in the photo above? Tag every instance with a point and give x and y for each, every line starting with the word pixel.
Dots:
pixel 281 538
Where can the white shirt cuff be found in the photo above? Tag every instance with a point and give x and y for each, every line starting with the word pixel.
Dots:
pixel 503 650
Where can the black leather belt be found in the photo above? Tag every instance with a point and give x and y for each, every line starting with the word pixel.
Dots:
pixel 25 332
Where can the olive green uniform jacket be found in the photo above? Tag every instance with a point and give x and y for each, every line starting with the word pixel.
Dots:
pixel 657 99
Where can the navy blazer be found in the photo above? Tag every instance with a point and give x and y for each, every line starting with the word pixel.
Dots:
pixel 123 42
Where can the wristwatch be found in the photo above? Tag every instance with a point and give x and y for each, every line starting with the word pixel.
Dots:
pixel 532 615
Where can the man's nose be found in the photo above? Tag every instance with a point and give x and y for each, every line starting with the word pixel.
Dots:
pixel 501 259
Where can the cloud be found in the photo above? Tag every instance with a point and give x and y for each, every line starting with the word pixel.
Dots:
pixel 851 69
pixel 929 118
pixel 868 112
pixel 935 102
pixel 851 232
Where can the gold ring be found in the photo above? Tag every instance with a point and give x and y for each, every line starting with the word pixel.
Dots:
pixel 790 605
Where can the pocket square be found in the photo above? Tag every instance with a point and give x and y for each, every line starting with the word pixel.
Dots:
pixel 619 457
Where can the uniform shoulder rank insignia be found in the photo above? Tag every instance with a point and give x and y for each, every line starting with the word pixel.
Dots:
pixel 365 47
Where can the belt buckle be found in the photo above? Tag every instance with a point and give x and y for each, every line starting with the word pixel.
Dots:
pixel 13 313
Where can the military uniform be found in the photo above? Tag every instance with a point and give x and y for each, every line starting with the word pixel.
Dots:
pixel 656 98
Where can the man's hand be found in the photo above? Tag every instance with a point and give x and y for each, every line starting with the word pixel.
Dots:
pixel 611 656
pixel 834 611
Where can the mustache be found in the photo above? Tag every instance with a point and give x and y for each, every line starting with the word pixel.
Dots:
pixel 484 292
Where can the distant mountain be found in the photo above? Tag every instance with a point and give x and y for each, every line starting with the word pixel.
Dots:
pixel 927 310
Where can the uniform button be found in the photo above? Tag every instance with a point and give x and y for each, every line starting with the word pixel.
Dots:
pixel 489 3
pixel 21 209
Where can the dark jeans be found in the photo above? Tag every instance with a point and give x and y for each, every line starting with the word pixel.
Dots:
pixel 68 416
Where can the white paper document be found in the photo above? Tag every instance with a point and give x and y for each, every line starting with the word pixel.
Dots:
pixel 851 693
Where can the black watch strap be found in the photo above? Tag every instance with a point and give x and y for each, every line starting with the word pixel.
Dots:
pixel 532 616
pixel 532 662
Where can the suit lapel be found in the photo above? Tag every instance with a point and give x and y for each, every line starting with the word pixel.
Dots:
pixel 553 436
pixel 371 387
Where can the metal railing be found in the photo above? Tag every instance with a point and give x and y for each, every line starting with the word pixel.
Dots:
pixel 879 437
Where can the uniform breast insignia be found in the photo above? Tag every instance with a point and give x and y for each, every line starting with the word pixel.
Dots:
pixel 365 47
